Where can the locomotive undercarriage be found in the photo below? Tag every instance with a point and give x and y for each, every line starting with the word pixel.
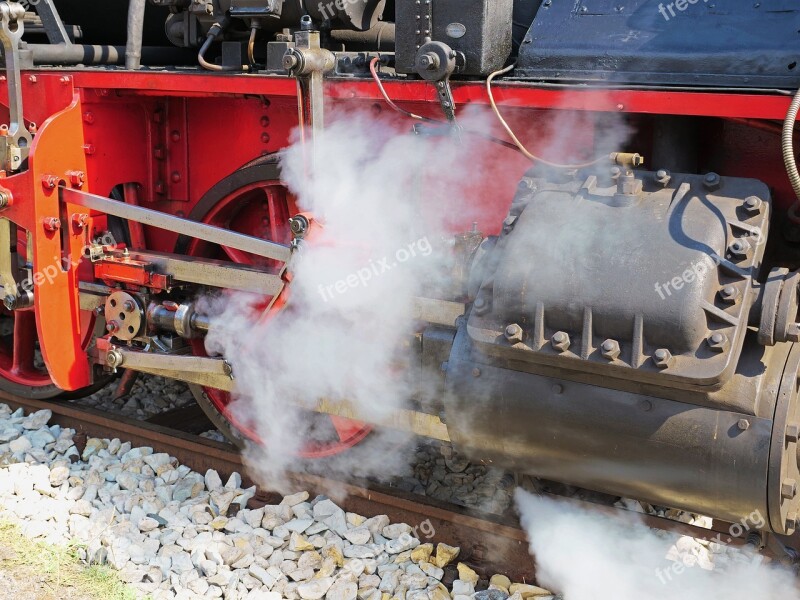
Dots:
pixel 627 330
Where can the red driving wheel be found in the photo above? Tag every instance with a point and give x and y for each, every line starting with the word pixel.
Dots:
pixel 254 201
pixel 22 368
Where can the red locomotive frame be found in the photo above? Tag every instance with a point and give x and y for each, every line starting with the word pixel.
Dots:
pixel 177 134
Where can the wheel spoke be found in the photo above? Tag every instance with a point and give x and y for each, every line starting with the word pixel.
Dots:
pixel 278 214
pixel 24 342
pixel 345 428
pixel 237 256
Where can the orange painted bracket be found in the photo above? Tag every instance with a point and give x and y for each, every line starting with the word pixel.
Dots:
pixel 55 158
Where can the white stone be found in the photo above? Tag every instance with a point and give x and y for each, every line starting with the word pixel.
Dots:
pixel 37 420
pixel 213 481
pixel 315 589
pixel 19 445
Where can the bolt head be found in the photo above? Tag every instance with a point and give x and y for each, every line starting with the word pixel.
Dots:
pixel 712 181
pixel 752 205
pixel 52 224
pixel 718 342
pixel 793 332
pixel 560 341
pixel 663 177
pixel 793 432
pixel 514 333
pixel 663 358
pixel 743 424
pixel 788 489
pixel 739 248
pixel 791 522
pixel 112 327
pixel 610 349
pixel 729 294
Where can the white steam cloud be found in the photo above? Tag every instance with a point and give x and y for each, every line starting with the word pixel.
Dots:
pixel 588 555
pixel 347 331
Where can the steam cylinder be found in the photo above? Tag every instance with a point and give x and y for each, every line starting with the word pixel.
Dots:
pixel 573 368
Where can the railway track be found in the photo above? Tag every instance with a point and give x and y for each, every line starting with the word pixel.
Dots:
pixel 489 543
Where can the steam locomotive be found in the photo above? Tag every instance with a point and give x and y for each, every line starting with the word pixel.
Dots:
pixel 624 328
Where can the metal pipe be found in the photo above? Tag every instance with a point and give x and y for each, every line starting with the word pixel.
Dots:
pixel 380 37
pixel 133 50
pixel 77 54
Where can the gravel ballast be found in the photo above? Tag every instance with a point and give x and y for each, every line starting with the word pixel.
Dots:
pixel 174 533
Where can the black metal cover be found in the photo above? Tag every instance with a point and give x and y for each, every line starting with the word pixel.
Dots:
pixel 644 270
pixel 480 29
pixel 731 43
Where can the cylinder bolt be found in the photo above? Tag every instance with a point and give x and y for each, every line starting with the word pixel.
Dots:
pixel 610 349
pixel 788 489
pixel 752 204
pixel 718 342
pixel 712 181
pixel 560 341
pixel 739 248
pixel 514 333
pixel 663 177
pixel 791 522
pixel 663 358
pixel 729 294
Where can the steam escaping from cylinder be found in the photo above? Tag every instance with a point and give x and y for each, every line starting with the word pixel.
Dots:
pixel 347 332
pixel 587 555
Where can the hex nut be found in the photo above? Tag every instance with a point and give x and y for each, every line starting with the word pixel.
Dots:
pixel 718 342
pixel 514 334
pixel 739 248
pixel 560 341
pixel 729 294
pixel 752 205
pixel 788 489
pixel 663 358
pixel 791 522
pixel 712 181
pixel 610 349
pixel 663 177
pixel 793 432
pixel 481 306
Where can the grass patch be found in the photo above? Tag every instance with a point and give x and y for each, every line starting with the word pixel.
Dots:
pixel 54 572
